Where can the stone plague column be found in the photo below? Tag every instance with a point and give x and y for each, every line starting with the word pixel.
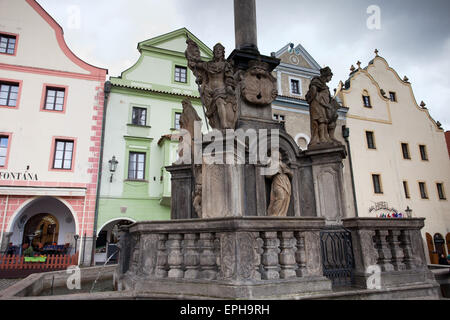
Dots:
pixel 245 25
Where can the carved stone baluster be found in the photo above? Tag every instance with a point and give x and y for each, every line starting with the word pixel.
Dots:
pixel 397 252
pixel 270 256
pixel 217 250
pixel 207 256
pixel 191 256
pixel 300 255
pixel 287 256
pixel 258 252
pixel 161 258
pixel 405 244
pixel 175 259
pixel 384 252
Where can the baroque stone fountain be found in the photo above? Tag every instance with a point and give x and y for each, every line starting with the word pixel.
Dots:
pixel 249 227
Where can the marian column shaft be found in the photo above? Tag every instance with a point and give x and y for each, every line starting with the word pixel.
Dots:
pixel 245 25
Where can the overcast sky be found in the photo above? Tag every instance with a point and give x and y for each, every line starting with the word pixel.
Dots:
pixel 413 36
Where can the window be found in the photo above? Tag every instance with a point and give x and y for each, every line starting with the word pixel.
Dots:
pixel 139 116
pixel 9 92
pixel 370 140
pixel 63 154
pixel 423 190
pixel 295 86
pixel 136 166
pixel 377 184
pixel 3 150
pixel 406 189
pixel 405 151
pixel 366 100
pixel 180 74
pixel 54 98
pixel 279 117
pixel 177 120
pixel 440 190
pixel 392 96
pixel 7 44
pixel 423 152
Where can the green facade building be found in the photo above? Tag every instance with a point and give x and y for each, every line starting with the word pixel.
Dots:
pixel 142 112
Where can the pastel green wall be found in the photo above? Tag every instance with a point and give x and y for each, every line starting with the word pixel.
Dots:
pixel 148 84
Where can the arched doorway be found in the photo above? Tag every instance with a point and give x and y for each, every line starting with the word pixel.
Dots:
pixel 430 246
pixel 41 228
pixel 44 220
pixel 107 238
pixel 439 244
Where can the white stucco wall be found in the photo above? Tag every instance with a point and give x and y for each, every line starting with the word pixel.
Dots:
pixel 36 44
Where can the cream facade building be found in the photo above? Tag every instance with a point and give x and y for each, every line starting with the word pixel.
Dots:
pixel 399 153
pixel 51 113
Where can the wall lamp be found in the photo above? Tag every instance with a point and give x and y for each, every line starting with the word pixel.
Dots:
pixel 112 167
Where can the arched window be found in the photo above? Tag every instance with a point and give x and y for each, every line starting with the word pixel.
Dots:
pixel 439 244
pixel 430 246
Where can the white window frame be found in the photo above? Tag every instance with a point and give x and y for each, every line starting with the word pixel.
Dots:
pixel 299 86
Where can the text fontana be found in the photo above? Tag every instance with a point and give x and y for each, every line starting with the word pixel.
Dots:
pixel 25 176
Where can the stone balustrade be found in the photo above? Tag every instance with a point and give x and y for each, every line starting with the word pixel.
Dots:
pixel 251 250
pixel 388 252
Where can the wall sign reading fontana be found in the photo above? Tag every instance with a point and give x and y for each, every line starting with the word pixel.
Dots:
pixel 18 176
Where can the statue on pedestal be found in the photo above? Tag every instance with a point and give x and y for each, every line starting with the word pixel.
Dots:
pixel 216 85
pixel 280 194
pixel 187 119
pixel 323 110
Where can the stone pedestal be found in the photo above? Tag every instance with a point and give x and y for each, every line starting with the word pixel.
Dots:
pixel 223 182
pixel 182 187
pixel 327 175
pixel 388 253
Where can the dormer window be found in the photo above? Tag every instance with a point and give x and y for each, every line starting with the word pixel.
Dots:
pixel 366 99
pixel 8 44
pixel 180 74
pixel 295 86
pixel 392 96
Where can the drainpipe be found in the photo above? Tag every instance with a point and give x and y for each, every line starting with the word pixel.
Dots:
pixel 346 134
pixel 4 220
pixel 107 91
pixel 83 234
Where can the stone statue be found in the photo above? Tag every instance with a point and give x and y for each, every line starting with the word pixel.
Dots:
pixel 187 120
pixel 323 110
pixel 216 85
pixel 197 198
pixel 280 194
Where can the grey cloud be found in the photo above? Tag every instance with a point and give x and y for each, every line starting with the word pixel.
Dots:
pixel 414 35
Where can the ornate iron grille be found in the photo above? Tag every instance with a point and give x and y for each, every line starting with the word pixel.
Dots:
pixel 337 255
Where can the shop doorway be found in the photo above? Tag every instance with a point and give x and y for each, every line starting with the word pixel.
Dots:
pixel 42 228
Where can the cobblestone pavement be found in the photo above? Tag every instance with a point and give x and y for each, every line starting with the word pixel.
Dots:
pixel 5 283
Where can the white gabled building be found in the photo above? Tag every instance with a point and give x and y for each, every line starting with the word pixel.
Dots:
pixel 51 113
pixel 399 153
